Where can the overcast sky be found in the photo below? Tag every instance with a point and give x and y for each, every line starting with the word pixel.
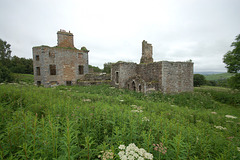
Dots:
pixel 113 30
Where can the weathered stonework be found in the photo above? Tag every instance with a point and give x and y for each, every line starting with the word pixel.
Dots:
pixel 62 65
pixel 94 79
pixel 146 53
pixel 148 76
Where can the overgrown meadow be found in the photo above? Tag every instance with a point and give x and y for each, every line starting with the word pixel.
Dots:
pixel 99 122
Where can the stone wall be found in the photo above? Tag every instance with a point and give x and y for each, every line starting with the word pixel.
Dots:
pixel 177 77
pixel 67 62
pixel 97 77
pixel 63 64
pixel 146 53
pixel 65 39
pixel 121 72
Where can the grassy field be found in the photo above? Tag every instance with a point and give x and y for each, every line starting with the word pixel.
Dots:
pixel 214 77
pixel 95 122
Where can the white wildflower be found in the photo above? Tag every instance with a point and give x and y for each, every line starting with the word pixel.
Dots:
pixel 141 151
pixel 214 112
pixel 145 119
pixel 134 111
pixel 121 100
pixel 229 116
pixel 238 148
pixel 133 152
pixel 86 100
pixel 122 147
pixel 121 153
pixel 148 156
pixel 220 127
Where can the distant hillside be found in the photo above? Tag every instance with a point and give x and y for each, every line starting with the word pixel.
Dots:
pixel 208 73
pixel 218 76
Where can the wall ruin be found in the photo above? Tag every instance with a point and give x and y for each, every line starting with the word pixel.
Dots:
pixel 70 64
pixel 164 76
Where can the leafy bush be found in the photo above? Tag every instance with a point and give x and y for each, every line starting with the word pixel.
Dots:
pixel 198 80
pixel 5 74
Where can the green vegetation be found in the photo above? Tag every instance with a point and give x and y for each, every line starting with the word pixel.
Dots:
pixel 198 80
pixel 232 61
pixel 84 49
pixel 84 122
pixel 24 78
pixel 10 65
pixel 95 69
pixel 215 77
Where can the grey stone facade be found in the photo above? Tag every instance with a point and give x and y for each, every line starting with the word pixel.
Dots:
pixel 164 76
pixel 61 65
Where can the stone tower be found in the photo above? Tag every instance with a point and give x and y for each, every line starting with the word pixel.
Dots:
pixel 146 53
pixel 65 39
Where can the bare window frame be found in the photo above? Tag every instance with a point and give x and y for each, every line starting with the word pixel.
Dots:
pixel 52 69
pixel 80 69
pixel 38 71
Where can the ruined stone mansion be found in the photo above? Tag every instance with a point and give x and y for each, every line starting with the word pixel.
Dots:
pixel 164 76
pixel 66 65
pixel 60 65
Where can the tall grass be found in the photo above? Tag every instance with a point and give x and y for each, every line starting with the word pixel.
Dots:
pixel 83 122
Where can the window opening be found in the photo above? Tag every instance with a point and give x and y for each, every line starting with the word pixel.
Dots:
pixel 140 88
pixel 80 69
pixel 52 69
pixel 38 71
pixel 68 83
pixel 51 54
pixel 133 86
pixel 117 77
pixel 37 57
pixel 39 83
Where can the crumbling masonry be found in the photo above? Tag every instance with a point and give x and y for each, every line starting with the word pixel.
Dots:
pixel 66 65
pixel 60 65
pixel 164 76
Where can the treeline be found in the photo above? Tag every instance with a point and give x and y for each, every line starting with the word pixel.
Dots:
pixel 199 80
pixel 10 65
pixel 106 69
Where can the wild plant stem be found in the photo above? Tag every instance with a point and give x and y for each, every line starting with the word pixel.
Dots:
pixel 68 138
pixel 2 151
pixel 25 151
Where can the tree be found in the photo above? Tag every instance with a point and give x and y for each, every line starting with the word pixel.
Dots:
pixel 232 58
pixel 5 55
pixel 5 74
pixel 107 67
pixel 198 80
pixel 21 65
pixel 95 69
pixel 232 61
pixel 5 52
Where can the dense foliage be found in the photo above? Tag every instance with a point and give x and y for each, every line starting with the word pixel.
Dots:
pixel 198 80
pixel 232 58
pixel 232 61
pixel 21 65
pixel 107 67
pixel 97 121
pixel 94 69
pixel 10 65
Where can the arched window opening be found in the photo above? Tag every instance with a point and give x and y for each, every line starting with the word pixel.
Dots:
pixel 133 86
pixel 140 88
